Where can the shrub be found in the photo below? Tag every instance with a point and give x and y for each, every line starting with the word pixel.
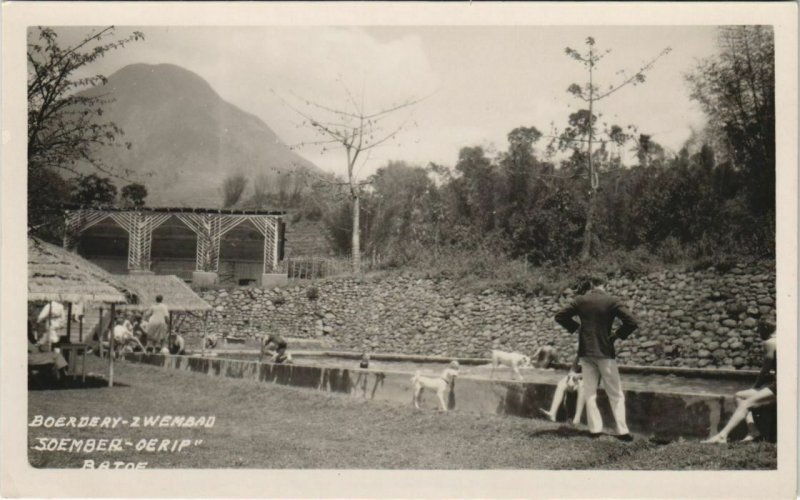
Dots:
pixel 671 251
pixel 312 293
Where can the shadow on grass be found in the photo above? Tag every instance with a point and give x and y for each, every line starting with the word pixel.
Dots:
pixel 50 384
pixel 565 431
pixel 661 440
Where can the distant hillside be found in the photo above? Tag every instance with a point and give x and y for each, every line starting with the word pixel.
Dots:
pixel 186 139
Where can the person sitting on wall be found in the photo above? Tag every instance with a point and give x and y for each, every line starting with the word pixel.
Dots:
pixel 119 332
pixel 545 357
pixel 47 365
pixel 177 345
pixel 364 361
pixel 211 341
pixel 763 392
pixel 127 320
pixel 140 330
pixel 124 340
pixel 274 346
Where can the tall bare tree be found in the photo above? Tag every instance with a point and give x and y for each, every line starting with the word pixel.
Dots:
pixel 591 93
pixel 357 131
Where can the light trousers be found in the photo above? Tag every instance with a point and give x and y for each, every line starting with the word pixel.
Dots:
pixel 593 370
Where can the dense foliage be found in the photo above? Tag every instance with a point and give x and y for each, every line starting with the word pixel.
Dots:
pixel 713 199
pixel 133 195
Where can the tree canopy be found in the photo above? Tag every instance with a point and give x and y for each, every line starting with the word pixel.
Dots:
pixel 712 199
pixel 736 89
pixel 65 124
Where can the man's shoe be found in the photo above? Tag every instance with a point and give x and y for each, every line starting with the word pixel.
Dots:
pixel 627 438
pixel 595 435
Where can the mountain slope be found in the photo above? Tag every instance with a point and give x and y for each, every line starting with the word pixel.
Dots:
pixel 186 139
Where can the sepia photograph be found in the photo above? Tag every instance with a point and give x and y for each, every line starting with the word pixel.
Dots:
pixel 405 247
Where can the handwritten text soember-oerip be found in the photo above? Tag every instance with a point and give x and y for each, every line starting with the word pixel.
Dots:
pixel 151 421
pixel 111 445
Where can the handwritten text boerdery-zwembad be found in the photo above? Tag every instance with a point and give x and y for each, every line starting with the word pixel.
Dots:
pixel 150 421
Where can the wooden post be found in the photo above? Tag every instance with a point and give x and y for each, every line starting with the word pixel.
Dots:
pixel 100 332
pixel 49 325
pixel 205 332
pixel 169 332
pixel 80 329
pixel 69 323
pixel 110 349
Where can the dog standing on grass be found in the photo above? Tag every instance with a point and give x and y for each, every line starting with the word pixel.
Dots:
pixel 437 384
pixel 513 360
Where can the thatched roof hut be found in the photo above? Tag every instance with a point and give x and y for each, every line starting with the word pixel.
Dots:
pixel 178 296
pixel 58 274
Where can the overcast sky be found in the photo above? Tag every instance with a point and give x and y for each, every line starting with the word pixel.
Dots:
pixel 481 82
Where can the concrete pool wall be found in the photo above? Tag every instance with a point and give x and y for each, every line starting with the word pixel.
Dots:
pixel 665 415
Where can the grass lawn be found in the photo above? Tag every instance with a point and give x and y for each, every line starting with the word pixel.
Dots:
pixel 269 426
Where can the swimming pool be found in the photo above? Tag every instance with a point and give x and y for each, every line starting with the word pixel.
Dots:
pixel 722 383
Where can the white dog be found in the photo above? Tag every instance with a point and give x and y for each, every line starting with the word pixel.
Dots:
pixel 513 360
pixel 438 384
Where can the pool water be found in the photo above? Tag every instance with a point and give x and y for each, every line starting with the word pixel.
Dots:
pixel 650 382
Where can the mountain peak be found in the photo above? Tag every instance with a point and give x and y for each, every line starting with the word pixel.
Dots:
pixel 160 81
pixel 186 139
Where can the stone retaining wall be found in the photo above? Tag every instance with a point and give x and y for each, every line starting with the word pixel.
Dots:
pixel 702 319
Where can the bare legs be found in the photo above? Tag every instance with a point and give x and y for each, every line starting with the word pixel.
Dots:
pixel 745 401
pixel 558 398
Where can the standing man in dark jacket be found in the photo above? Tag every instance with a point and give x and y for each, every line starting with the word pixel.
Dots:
pixel 597 311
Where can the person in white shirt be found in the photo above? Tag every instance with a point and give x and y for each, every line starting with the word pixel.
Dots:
pixel 54 315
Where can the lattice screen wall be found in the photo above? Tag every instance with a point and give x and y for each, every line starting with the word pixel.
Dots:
pixel 208 227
